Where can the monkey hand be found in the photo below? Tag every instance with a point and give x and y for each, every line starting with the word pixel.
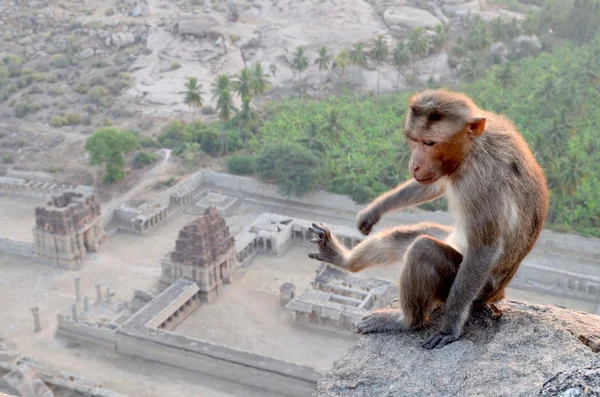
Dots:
pixel 439 340
pixel 366 219
pixel 329 249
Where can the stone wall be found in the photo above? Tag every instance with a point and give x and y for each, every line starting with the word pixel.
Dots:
pixel 85 332
pixel 19 248
pixel 42 189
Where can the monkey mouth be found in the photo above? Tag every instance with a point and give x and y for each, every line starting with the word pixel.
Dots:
pixel 425 180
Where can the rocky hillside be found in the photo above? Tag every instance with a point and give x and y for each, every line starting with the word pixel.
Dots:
pixel 529 351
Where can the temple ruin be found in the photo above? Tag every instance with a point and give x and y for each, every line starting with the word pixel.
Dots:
pixel 337 301
pixel 68 226
pixel 205 253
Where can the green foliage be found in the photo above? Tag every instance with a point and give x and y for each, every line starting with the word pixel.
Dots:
pixel 58 121
pixel 99 96
pixel 21 109
pixel 107 147
pixel 291 167
pixel 143 159
pixel 553 99
pixel 241 165
pixel 59 61
pixel 148 142
pixel 174 134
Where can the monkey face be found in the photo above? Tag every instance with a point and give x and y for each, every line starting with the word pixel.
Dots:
pixel 440 128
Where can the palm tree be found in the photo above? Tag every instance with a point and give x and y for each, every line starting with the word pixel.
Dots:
pixel 472 69
pixel 260 80
pixel 192 97
pixel 242 84
pixel 342 60
pixel 379 53
pixel 401 58
pixel 221 90
pixel 506 76
pixel 312 139
pixel 441 35
pixel 246 117
pixel 418 43
pixel 300 63
pixel 358 57
pixel 324 59
pixel 333 126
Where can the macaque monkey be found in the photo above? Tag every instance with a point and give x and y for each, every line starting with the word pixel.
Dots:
pixel 497 194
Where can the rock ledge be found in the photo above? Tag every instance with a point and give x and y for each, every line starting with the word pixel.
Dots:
pixel 528 351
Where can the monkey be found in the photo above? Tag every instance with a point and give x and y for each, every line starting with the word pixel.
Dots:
pixel 497 194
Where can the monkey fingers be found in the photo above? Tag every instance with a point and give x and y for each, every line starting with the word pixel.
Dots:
pixel 439 340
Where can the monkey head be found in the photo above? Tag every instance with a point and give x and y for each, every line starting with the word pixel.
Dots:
pixel 441 127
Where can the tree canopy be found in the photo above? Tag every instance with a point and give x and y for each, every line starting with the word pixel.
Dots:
pixel 107 146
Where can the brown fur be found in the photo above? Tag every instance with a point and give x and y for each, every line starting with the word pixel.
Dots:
pixel 495 189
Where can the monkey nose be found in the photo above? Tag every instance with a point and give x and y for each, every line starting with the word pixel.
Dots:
pixel 416 168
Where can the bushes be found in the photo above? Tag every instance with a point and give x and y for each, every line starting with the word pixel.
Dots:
pixel 99 96
pixel 241 165
pixel 8 159
pixel 69 119
pixel 291 167
pixel 143 159
pixel 59 61
pixel 21 109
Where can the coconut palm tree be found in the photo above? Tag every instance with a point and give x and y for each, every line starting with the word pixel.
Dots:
pixel 246 117
pixel 300 63
pixel 418 44
pixel 312 140
pixel 324 59
pixel 379 53
pixel 221 90
pixel 192 97
pixel 400 58
pixel 242 83
pixel 260 81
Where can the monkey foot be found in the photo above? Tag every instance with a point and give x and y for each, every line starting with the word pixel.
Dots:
pixel 328 250
pixel 380 321
pixel 439 340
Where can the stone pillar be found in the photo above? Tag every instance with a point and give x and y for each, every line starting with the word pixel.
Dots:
pixel 77 289
pixel 108 297
pixel 36 319
pixel 74 312
pixel 98 293
pixel 86 303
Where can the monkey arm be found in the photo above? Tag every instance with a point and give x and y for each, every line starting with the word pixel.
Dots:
pixel 405 195
pixel 469 281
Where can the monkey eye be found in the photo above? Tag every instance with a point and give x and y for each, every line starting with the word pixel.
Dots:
pixel 428 143
pixel 435 116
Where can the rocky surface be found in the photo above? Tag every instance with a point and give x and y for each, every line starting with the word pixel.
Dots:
pixel 530 350
pixel 24 382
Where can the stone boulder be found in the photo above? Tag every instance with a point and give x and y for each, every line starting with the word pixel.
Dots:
pixel 120 39
pixel 24 382
pixel 404 19
pixel 198 26
pixel 463 9
pixel 529 350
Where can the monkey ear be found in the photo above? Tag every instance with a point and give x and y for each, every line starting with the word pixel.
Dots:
pixel 475 127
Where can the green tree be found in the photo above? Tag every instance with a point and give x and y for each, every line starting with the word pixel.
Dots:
pixel 506 76
pixel 260 81
pixel 107 146
pixel 418 44
pixel 242 83
pixel 300 64
pixel 379 53
pixel 313 138
pixel 472 69
pixel 246 116
pixel 192 97
pixel 441 36
pixel 401 58
pixel 290 166
pixel 324 59
pixel 221 90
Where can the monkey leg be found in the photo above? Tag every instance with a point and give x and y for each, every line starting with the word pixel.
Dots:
pixel 430 267
pixel 383 248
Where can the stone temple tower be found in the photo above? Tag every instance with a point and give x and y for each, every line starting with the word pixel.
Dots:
pixel 205 253
pixel 67 227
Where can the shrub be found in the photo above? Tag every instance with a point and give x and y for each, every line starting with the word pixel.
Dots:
pixel 292 167
pixel 98 95
pixel 148 142
pixel 87 120
pixel 12 59
pixel 207 110
pixel 96 79
pixel 59 61
pixel 21 109
pixel 81 88
pixel 210 142
pixel 55 91
pixel 241 165
pixel 143 159
pixel 58 121
pixel 73 118
pixel 175 65
pixel 8 159
pixel 4 73
pixel 39 77
pixel 174 134
pixel 109 12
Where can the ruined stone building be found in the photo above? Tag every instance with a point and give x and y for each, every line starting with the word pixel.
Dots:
pixel 337 300
pixel 205 253
pixel 67 227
